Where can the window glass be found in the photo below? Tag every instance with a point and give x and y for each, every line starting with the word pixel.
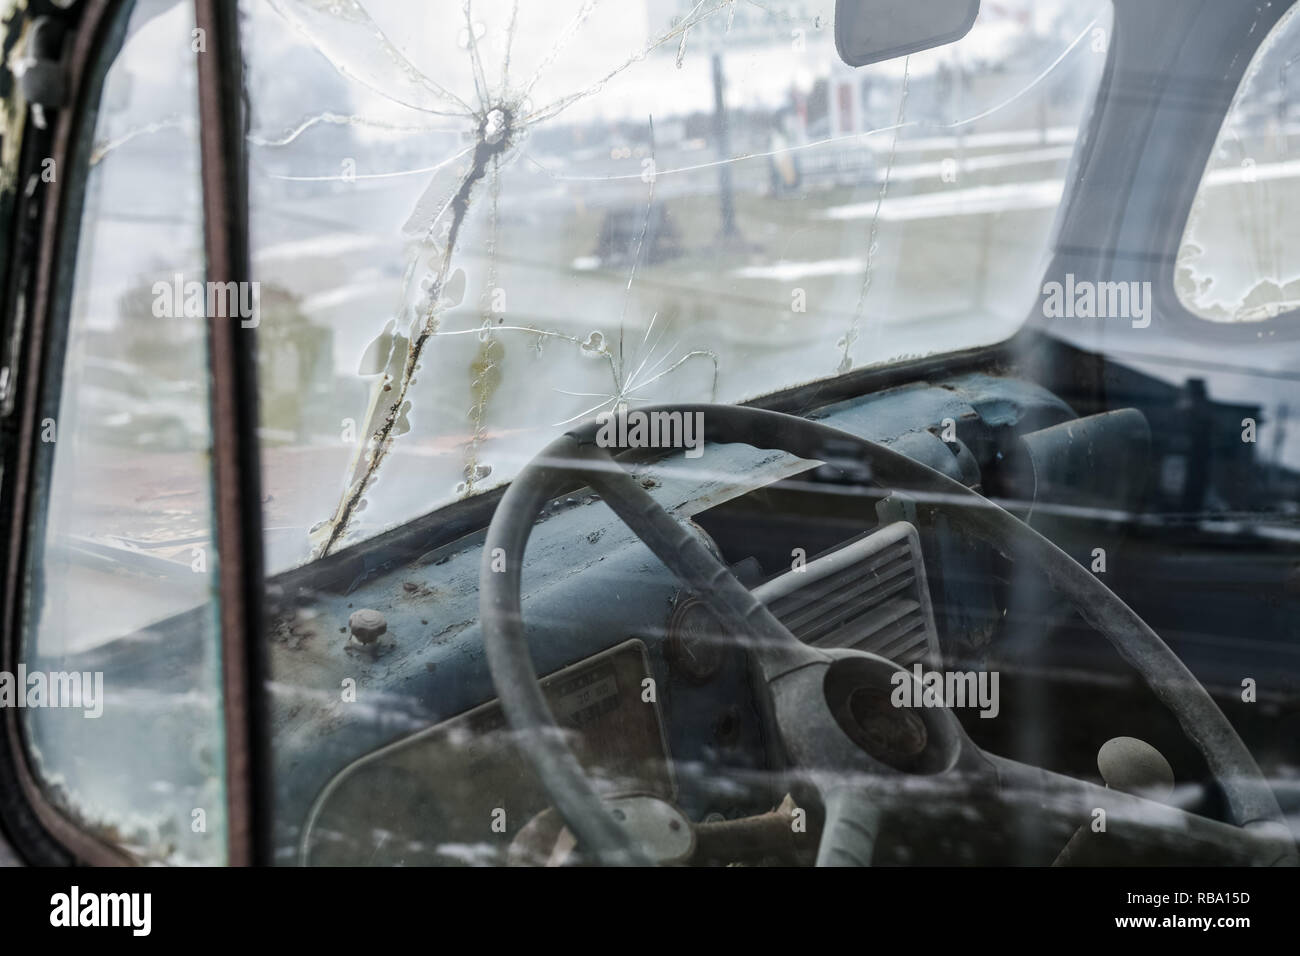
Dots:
pixel 1240 256
pixel 470 232
pixel 120 602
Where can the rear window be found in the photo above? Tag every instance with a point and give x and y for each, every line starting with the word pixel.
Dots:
pixel 1240 256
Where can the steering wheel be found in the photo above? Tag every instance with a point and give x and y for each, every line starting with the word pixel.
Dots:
pixel 825 704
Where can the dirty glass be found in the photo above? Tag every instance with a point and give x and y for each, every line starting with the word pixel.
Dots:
pixel 124 538
pixel 1239 260
pixel 477 223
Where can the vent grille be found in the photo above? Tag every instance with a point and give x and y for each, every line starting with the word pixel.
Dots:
pixel 870 596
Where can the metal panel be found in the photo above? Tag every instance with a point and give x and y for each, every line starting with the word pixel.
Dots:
pixel 870 596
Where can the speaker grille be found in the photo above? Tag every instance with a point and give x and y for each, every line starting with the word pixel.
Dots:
pixel 870 595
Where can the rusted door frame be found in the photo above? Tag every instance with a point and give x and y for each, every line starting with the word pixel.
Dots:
pixel 35 825
pixel 237 496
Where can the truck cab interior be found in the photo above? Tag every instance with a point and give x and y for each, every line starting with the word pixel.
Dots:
pixel 679 433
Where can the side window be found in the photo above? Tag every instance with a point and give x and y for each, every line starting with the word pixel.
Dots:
pixel 121 679
pixel 1240 256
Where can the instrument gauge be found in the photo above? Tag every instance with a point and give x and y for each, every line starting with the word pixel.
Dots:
pixel 696 641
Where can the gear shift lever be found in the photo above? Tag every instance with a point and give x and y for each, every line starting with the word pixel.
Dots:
pixel 1129 765
pixel 1134 766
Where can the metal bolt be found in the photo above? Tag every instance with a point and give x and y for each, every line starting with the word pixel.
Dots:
pixel 367 625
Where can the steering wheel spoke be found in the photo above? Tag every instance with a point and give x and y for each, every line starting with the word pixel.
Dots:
pixel 682 550
pixel 852 825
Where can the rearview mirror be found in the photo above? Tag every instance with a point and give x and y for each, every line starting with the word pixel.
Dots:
pixel 868 31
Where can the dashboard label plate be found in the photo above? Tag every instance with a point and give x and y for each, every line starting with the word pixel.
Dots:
pixel 458 792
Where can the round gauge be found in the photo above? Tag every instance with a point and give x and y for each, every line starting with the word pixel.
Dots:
pixel 696 641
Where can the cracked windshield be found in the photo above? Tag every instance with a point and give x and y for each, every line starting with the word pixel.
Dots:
pixel 474 225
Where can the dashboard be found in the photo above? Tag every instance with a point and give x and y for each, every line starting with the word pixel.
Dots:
pixel 663 701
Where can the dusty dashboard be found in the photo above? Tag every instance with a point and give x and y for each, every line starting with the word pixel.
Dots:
pixel 419 767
